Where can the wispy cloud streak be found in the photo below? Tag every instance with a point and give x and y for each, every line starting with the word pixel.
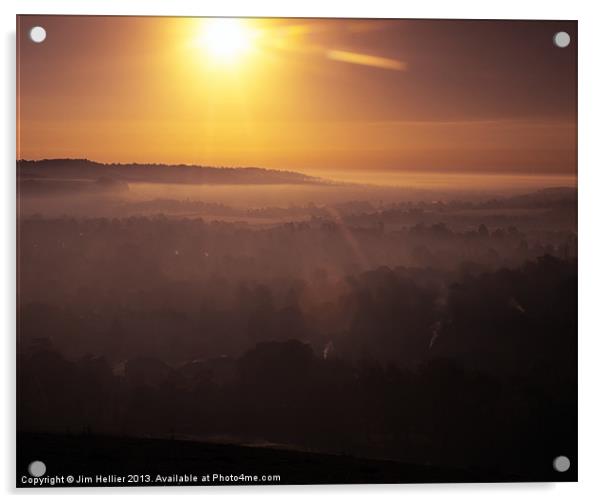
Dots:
pixel 357 58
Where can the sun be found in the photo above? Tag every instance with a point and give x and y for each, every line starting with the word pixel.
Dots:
pixel 225 40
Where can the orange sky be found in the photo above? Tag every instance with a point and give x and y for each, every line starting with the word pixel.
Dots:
pixel 323 96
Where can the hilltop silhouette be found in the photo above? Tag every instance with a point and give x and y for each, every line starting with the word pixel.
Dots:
pixel 84 169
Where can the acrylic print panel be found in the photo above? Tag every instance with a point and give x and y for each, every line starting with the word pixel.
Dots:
pixel 296 251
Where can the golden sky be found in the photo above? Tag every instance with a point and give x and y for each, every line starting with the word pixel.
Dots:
pixel 320 96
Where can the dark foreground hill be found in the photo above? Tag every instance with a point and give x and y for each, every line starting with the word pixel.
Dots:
pixel 176 462
pixel 84 169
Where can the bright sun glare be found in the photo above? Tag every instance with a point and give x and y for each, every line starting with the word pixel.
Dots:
pixel 225 40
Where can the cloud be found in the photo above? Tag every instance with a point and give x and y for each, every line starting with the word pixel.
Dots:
pixel 357 58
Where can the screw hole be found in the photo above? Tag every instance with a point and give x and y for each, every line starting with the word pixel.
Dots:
pixel 37 34
pixel 562 464
pixel 562 39
pixel 37 468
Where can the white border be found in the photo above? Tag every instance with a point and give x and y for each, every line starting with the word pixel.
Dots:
pixel 590 213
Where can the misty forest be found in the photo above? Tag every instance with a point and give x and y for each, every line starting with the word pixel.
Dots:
pixel 271 309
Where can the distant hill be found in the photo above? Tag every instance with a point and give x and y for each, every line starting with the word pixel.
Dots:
pixel 84 169
pixel 553 196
